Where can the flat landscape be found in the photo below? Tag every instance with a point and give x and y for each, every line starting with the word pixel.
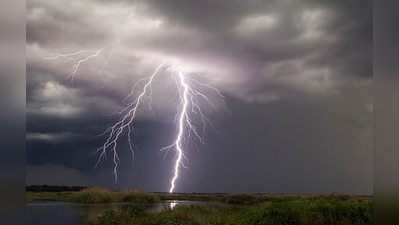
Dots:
pixel 334 208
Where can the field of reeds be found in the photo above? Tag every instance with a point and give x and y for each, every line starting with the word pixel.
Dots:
pixel 303 211
pixel 238 209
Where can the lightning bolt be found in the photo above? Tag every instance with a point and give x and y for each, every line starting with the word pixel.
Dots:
pixel 188 96
pixel 126 122
pixel 187 132
pixel 76 59
pixel 104 71
pixel 182 117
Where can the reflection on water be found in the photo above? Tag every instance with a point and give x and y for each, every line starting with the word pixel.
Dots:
pixel 173 204
pixel 47 211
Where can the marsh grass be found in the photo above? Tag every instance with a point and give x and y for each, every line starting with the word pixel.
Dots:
pixel 101 195
pixel 302 211
pixel 256 199
pixel 61 196
pixel 334 208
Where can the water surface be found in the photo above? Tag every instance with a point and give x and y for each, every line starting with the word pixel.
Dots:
pixel 48 211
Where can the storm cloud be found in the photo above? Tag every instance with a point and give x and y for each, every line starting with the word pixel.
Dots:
pixel 298 77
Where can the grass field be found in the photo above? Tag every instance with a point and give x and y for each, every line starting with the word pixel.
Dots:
pixel 304 211
pixel 239 209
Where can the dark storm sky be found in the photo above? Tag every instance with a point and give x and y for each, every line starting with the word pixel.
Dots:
pixel 297 76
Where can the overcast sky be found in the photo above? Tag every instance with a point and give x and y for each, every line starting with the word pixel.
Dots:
pixel 297 77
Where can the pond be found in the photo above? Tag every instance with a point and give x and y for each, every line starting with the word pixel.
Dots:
pixel 48 211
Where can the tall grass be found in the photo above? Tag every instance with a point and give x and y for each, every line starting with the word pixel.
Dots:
pixel 298 212
pixel 240 209
pixel 102 195
pixel 255 199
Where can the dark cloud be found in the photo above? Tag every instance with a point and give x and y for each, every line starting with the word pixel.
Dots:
pixel 244 39
pixel 298 76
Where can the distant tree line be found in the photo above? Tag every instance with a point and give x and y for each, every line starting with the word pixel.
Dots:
pixel 53 188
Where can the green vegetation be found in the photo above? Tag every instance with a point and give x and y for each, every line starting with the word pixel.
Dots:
pixel 100 195
pixel 60 196
pixel 332 208
pixel 303 211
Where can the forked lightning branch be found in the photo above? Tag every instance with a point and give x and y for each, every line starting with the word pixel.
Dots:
pixel 187 111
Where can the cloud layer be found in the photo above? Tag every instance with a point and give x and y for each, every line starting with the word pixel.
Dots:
pixel 311 59
pixel 257 50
